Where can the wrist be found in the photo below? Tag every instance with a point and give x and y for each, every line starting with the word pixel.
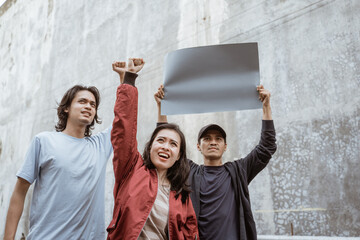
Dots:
pixel 266 108
pixel 9 237
pixel 129 78
pixel 267 112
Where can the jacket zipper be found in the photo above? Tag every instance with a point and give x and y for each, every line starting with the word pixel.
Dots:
pixel 157 190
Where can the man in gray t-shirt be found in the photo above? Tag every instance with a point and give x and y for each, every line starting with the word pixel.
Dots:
pixel 68 168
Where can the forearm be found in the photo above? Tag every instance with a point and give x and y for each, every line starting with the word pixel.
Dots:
pixel 12 218
pixel 15 210
pixel 123 136
pixel 268 138
pixel 123 133
pixel 267 112
pixel 161 118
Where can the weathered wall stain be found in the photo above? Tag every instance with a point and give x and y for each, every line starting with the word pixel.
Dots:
pixel 311 165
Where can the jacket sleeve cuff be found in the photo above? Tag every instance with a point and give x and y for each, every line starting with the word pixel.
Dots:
pixel 130 78
pixel 268 125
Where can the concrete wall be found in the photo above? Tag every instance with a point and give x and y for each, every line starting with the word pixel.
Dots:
pixel 309 60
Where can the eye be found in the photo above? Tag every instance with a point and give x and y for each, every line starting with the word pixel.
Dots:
pixel 174 144
pixel 93 105
pixel 160 140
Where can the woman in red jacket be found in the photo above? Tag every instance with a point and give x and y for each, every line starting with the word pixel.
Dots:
pixel 151 195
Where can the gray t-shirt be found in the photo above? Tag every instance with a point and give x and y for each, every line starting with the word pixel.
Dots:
pixel 218 217
pixel 68 201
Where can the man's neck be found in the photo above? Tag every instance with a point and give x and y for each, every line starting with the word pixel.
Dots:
pixel 75 131
pixel 213 162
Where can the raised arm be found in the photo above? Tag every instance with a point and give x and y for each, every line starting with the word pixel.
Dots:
pixel 15 208
pixel 259 157
pixel 159 95
pixel 123 133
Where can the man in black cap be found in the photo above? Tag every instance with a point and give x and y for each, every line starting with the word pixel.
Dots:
pixel 220 193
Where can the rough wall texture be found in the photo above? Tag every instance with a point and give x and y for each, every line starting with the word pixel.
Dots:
pixel 309 59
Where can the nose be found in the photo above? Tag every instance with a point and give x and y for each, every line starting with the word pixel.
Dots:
pixel 88 106
pixel 213 142
pixel 165 146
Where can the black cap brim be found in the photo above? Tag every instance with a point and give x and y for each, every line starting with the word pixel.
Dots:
pixel 211 127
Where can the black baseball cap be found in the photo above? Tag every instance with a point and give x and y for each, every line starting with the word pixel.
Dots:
pixel 211 127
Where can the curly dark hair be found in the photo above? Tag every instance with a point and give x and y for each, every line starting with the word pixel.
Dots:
pixel 66 103
pixel 179 172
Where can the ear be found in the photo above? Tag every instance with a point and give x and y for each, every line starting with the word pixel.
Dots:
pixel 225 147
pixel 66 110
pixel 198 147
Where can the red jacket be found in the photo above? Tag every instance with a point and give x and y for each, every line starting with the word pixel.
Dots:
pixel 136 186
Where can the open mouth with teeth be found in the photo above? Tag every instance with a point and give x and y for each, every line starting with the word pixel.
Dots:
pixel 86 114
pixel 164 156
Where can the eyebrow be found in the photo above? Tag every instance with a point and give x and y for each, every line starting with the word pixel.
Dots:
pixel 167 138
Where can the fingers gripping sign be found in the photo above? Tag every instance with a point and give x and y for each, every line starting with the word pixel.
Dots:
pixel 134 65
pixel 264 95
pixel 159 95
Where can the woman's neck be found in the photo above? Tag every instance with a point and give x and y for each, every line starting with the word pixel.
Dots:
pixel 162 177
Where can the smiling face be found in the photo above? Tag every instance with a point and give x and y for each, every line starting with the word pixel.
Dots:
pixel 165 149
pixel 212 145
pixel 82 109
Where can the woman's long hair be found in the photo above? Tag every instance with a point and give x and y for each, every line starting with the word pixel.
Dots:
pixel 66 103
pixel 179 172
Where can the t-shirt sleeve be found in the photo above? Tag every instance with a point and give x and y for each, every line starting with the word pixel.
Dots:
pixel 30 168
pixel 104 138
